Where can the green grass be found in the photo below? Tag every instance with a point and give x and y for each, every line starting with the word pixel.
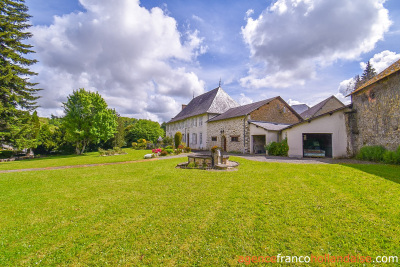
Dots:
pixel 151 214
pixel 67 160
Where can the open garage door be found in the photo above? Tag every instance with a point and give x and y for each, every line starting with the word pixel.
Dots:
pixel 317 145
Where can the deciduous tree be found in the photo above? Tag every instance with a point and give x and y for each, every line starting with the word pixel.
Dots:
pixel 88 119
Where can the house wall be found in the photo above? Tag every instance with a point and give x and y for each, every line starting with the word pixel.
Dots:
pixel 334 124
pixel 376 120
pixel 193 125
pixel 270 136
pixel 231 127
pixel 275 111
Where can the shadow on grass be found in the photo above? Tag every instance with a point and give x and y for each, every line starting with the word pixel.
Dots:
pixel 388 172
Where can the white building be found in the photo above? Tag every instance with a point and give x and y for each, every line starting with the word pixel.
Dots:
pixel 322 135
pixel 192 120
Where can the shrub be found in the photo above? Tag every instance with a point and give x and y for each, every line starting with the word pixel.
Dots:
pixel 192 165
pixel 156 150
pixel 371 153
pixel 168 147
pixel 168 141
pixel 111 152
pixel 278 148
pixel 169 150
pixel 188 149
pixel 134 145
pixel 392 157
pixel 118 150
pixel 178 139
pixel 5 154
pixel 141 144
pixel 102 152
pixel 163 153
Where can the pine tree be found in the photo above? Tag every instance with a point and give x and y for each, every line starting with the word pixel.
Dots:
pixel 368 73
pixel 17 93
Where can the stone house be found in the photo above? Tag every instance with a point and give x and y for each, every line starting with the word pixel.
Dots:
pixel 191 121
pixel 375 115
pixel 249 127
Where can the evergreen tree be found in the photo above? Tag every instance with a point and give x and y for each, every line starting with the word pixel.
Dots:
pixel 368 73
pixel 17 93
pixel 354 85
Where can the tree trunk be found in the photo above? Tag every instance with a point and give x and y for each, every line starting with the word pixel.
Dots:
pixel 77 150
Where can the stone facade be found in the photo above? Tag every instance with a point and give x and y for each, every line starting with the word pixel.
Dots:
pixel 275 111
pixel 232 130
pixel 236 131
pixel 375 119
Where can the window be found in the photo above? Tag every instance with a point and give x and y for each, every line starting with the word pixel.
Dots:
pixel 200 121
pixel 201 138
pixel 194 139
pixel 213 138
pixel 234 138
pixel 195 122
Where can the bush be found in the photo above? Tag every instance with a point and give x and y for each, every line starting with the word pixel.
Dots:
pixel 141 144
pixel 177 139
pixel 192 165
pixel 169 147
pixel 111 152
pixel 278 148
pixel 163 153
pixel 168 141
pixel 169 150
pixel 188 149
pixel 134 145
pixel 371 153
pixel 5 154
pixel 392 157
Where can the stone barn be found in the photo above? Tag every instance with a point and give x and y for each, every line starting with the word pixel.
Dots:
pixel 375 116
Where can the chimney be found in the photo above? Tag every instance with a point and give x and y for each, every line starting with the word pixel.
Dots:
pixel 183 106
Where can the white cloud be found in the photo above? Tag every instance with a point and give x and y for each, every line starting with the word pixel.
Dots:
pixel 294 102
pixel 244 100
pixel 131 55
pixel 249 13
pixel 291 39
pixel 381 60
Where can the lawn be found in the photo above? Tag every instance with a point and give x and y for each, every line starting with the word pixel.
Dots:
pixel 151 214
pixel 69 160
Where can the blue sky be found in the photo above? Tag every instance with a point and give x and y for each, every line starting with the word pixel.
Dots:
pixel 147 58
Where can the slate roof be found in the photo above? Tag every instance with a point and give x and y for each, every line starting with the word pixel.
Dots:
pixel 241 110
pixel 300 108
pixel 270 126
pixel 314 109
pixel 388 71
pixel 216 101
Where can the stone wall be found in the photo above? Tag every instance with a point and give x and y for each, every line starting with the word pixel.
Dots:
pixel 275 111
pixel 375 119
pixel 233 127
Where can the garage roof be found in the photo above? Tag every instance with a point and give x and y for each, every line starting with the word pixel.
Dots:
pixel 270 126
